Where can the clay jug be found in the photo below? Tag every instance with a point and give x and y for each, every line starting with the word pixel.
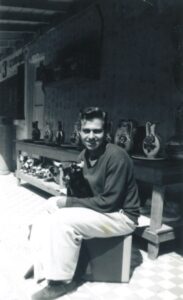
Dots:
pixel 59 138
pixel 151 143
pixel 75 137
pixel 48 134
pixel 124 136
pixel 35 131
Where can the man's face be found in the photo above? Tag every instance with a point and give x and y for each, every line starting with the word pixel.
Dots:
pixel 92 133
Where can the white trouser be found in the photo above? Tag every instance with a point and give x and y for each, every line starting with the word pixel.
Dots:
pixel 56 238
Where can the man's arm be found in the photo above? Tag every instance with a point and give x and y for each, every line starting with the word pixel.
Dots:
pixel 119 171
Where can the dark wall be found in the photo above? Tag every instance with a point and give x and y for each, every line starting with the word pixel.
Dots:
pixel 140 42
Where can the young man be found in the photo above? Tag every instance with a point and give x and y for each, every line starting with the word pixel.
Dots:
pixel 111 210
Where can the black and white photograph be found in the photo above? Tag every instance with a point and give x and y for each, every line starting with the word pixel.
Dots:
pixel 91 149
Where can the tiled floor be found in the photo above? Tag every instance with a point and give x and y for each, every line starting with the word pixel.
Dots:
pixel 161 279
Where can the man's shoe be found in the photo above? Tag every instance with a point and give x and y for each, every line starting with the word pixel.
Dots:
pixel 29 273
pixel 53 291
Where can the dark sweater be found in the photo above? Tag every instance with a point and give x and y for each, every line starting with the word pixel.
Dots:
pixel 112 183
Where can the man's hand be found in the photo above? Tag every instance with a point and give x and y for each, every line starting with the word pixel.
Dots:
pixel 61 201
pixel 56 202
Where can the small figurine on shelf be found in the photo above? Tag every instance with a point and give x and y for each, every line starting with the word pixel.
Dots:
pixel 60 135
pixel 151 143
pixel 35 131
pixel 48 134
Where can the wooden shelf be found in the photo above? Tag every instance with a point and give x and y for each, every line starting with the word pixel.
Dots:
pixel 64 153
pixel 47 186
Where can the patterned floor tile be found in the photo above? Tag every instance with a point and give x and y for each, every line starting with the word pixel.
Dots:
pixel 167 295
pixel 166 284
pixel 167 274
pixel 177 291
pixel 160 279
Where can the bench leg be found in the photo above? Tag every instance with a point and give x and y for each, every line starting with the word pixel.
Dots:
pixel 110 258
pixel 126 258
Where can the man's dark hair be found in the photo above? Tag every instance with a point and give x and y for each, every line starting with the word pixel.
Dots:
pixel 88 114
pixel 92 112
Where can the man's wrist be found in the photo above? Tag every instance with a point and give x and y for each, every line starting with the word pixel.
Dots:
pixel 69 201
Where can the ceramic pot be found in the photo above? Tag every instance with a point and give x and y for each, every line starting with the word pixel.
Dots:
pixel 124 136
pixel 59 137
pixel 35 131
pixel 48 134
pixel 151 143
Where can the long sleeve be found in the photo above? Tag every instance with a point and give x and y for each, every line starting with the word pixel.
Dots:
pixel 112 182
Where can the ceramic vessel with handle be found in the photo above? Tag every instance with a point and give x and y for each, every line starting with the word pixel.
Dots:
pixel 59 137
pixel 35 131
pixel 124 136
pixel 151 143
pixel 48 134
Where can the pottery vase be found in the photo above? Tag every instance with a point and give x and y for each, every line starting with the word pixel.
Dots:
pixel 35 131
pixel 75 137
pixel 124 136
pixel 151 144
pixel 48 134
pixel 59 137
